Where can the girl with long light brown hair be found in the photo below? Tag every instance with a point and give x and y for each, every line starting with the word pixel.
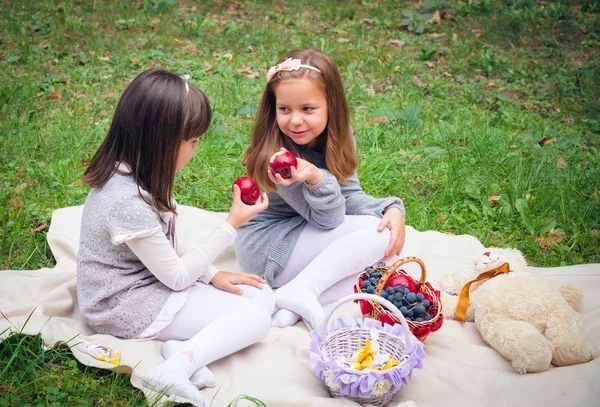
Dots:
pixel 320 227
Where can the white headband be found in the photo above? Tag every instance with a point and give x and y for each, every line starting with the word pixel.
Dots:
pixel 185 79
pixel 288 65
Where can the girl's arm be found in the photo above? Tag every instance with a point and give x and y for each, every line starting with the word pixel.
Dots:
pixel 176 272
pixel 322 204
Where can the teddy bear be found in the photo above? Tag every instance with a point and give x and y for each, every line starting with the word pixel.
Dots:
pixel 529 321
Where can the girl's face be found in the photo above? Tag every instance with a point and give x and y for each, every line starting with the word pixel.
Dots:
pixel 186 151
pixel 301 110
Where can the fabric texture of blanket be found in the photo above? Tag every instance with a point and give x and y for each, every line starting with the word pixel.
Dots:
pixel 460 368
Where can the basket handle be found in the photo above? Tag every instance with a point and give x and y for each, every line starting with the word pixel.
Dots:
pixel 395 266
pixel 323 328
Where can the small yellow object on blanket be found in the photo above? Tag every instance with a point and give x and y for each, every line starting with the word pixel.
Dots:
pixel 102 353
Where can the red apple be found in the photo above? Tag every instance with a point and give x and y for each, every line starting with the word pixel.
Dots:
pixel 249 190
pixel 281 162
pixel 401 279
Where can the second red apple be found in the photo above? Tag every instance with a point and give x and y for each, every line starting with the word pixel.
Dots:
pixel 250 192
pixel 281 163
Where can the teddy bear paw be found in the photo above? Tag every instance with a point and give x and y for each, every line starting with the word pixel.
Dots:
pixel 571 349
pixel 533 354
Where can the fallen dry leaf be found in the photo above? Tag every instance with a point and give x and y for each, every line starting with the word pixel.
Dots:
pixel 583 146
pixel 561 162
pixel 513 146
pixel 155 21
pixel 493 198
pixel 2 55
pixel 435 19
pixel 449 16
pixel 395 42
pixel 434 35
pixel 193 49
pixel 448 75
pixel 550 141
pixel 430 64
pixel 44 44
pixel 367 21
pixel 403 152
pixel 441 219
pixel 568 119
pixel 554 238
pixel 339 32
pixel 418 81
pixel 39 228
pixel 104 59
pixel 55 96
pixel 489 85
pixel 208 68
pixel 7 388
pixel 454 36
pixel 382 119
pixel 583 30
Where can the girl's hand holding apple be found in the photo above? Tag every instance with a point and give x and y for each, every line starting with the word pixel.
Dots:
pixel 240 213
pixel 303 171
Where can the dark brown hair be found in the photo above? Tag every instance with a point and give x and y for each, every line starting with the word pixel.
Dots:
pixel 155 114
pixel 336 140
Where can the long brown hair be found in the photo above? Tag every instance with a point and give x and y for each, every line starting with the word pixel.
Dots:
pixel 266 137
pixel 157 112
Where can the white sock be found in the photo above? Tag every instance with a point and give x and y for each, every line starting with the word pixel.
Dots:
pixel 283 317
pixel 344 257
pixel 173 377
pixel 202 377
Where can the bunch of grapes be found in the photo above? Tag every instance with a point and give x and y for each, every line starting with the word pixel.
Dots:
pixel 372 276
pixel 413 305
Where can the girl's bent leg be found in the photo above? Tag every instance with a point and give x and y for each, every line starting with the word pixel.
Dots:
pixel 310 244
pixel 217 324
pixel 346 256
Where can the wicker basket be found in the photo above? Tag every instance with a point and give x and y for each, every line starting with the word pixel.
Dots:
pixel 374 310
pixel 345 336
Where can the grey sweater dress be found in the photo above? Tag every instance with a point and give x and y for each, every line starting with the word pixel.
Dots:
pixel 264 244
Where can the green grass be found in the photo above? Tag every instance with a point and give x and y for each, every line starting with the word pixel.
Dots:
pixel 500 103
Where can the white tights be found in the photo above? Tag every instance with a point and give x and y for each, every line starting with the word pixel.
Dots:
pixel 211 325
pixel 322 258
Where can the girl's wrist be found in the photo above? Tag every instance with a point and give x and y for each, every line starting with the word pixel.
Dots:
pixel 316 178
pixel 233 222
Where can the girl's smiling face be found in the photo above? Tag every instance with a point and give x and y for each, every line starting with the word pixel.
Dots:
pixel 301 110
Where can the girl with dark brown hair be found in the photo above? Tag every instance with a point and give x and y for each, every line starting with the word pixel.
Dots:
pixel 320 227
pixel 134 279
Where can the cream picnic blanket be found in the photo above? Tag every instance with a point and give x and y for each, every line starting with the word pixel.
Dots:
pixel 460 369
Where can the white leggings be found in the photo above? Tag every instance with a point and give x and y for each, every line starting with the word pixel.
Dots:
pixel 324 263
pixel 211 325
pixel 206 304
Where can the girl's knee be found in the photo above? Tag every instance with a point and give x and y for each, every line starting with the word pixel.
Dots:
pixel 263 297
